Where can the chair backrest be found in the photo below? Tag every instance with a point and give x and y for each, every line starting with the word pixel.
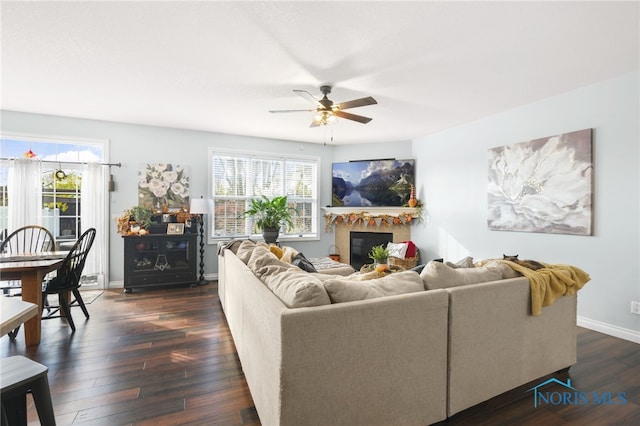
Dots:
pixel 69 273
pixel 28 239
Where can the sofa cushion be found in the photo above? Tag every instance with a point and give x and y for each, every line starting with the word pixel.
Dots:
pixel 439 275
pixel 467 262
pixel 293 286
pixel 245 249
pixel 506 270
pixel 263 262
pixel 349 289
pixel 297 288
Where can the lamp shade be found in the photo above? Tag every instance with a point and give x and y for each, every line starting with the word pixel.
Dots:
pixel 200 206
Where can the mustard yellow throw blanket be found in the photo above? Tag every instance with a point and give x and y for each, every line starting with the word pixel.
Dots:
pixel 551 282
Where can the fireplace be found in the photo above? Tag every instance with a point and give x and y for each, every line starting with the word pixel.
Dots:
pixel 361 243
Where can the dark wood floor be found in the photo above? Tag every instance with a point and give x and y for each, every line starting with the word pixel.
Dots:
pixel 166 357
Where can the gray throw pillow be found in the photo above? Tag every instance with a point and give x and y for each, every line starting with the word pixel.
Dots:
pixel 303 263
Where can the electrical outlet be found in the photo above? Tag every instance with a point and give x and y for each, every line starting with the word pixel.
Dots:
pixel 635 308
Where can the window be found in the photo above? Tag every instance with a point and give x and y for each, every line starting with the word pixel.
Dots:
pixel 61 179
pixel 236 178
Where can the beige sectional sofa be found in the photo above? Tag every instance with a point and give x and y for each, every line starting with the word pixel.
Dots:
pixel 405 359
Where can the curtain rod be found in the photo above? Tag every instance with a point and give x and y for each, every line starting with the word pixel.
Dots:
pixel 68 162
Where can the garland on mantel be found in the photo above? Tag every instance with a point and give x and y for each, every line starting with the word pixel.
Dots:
pixel 367 219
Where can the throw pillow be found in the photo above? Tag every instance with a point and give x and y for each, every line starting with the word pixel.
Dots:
pixel 303 263
pixel 276 250
pixel 418 268
pixel 349 290
pixel 411 249
pixel 288 253
pixel 439 275
pixel 397 250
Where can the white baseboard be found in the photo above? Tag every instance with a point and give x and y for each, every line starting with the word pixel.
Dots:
pixel 116 284
pixel 611 330
pixel 211 277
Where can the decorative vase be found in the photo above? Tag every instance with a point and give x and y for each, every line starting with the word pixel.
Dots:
pixel 412 198
pixel 270 235
pixel 384 261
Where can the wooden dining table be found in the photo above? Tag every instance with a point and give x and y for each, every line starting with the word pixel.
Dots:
pixel 30 268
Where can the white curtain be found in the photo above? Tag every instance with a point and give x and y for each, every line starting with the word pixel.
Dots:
pixel 93 215
pixel 24 191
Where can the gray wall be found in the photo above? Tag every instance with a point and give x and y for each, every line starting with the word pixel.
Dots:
pixel 452 176
pixel 136 145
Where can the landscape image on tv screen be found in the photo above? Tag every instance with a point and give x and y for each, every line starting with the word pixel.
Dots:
pixel 372 183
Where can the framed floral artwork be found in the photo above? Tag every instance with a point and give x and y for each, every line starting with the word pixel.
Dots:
pixel 163 186
pixel 544 185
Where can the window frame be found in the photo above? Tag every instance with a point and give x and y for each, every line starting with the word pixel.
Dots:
pixel 261 155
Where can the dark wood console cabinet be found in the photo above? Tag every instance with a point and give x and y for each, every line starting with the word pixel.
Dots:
pixel 156 260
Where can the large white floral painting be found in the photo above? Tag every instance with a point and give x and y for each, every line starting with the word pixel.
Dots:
pixel 163 185
pixel 542 185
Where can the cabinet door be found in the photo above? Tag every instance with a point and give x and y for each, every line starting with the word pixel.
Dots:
pixel 145 255
pixel 177 252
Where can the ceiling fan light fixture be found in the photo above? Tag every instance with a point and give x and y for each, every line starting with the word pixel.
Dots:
pixel 326 112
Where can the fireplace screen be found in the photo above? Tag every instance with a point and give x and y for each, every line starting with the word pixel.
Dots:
pixel 360 244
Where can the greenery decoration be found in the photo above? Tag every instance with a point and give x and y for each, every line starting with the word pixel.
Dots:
pixel 270 213
pixel 379 254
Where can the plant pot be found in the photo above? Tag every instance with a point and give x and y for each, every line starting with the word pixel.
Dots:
pixel 270 235
pixel 384 261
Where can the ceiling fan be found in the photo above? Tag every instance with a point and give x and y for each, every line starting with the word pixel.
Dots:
pixel 327 112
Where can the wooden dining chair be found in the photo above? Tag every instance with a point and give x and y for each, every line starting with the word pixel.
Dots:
pixel 67 280
pixel 27 239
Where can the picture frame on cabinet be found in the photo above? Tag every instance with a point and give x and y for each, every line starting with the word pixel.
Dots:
pixel 175 228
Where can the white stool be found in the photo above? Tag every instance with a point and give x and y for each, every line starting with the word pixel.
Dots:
pixel 18 376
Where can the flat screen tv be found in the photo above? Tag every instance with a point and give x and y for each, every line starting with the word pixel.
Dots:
pixel 372 183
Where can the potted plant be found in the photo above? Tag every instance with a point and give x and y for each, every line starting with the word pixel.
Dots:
pixel 379 254
pixel 269 215
pixel 141 215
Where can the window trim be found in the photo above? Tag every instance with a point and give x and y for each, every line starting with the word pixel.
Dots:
pixel 275 155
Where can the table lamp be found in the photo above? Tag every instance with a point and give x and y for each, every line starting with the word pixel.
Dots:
pixel 201 207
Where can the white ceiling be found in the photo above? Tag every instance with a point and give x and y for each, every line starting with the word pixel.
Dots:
pixel 221 66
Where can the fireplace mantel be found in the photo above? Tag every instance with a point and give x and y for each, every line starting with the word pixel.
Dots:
pixel 370 216
pixel 372 211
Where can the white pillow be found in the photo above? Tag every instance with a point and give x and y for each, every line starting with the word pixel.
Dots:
pixel 397 250
pixel 438 275
pixel 349 290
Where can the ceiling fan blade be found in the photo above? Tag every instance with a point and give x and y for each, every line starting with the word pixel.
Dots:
pixel 291 110
pixel 308 96
pixel 354 117
pixel 357 103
